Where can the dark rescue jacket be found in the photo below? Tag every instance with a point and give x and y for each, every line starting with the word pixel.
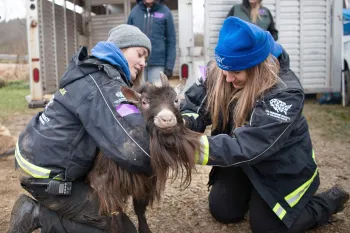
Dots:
pixel 88 113
pixel 274 148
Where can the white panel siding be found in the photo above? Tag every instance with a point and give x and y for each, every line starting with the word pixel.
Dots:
pixel 289 31
pixel 60 42
pixel 48 48
pixel 315 51
pixel 177 62
pixel 54 43
pixel 101 24
pixel 215 13
pixel 71 39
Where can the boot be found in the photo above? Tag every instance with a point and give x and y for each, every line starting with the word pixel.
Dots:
pixel 336 197
pixel 24 215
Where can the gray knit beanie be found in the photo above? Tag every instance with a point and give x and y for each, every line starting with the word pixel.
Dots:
pixel 125 36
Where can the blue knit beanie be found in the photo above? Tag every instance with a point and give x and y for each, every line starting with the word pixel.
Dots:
pixel 276 48
pixel 241 45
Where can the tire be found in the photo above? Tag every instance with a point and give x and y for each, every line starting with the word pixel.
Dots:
pixel 347 86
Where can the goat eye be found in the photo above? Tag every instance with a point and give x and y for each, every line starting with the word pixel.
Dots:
pixel 144 102
pixel 176 101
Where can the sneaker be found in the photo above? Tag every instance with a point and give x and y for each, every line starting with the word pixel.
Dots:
pixel 24 215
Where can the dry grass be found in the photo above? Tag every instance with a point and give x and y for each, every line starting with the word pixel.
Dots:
pixel 14 72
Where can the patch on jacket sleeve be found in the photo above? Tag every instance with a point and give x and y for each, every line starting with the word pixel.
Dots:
pixel 279 107
pixel 126 109
pixel 158 15
pixel 121 98
pixel 262 11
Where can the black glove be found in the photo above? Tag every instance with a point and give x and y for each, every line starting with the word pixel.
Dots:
pixel 168 73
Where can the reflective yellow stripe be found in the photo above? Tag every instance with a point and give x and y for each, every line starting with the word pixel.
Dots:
pixel 279 211
pixel 194 115
pixel 31 169
pixel 203 157
pixel 293 198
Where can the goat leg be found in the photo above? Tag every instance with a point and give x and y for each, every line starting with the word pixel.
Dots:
pixel 123 224
pixel 140 210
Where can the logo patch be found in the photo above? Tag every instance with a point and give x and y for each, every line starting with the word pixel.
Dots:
pixel 63 91
pixel 219 59
pixel 119 94
pixel 262 12
pixel 158 15
pixel 280 106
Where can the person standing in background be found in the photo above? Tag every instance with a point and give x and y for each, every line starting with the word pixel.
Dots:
pixel 254 12
pixel 155 19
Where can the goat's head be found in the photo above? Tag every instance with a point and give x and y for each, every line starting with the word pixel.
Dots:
pixel 159 104
pixel 172 145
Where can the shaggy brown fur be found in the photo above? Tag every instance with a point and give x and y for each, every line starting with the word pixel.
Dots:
pixel 114 185
pixel 172 154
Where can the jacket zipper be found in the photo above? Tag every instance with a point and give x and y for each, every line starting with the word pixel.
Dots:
pixel 151 24
pixel 145 23
pixel 148 21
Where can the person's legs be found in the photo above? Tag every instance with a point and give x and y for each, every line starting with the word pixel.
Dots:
pixel 77 212
pixel 316 213
pixel 230 194
pixel 153 73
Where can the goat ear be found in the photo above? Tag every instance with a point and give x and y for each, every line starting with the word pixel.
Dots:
pixel 180 87
pixel 164 79
pixel 131 95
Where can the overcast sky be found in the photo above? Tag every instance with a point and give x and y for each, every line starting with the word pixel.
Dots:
pixel 11 9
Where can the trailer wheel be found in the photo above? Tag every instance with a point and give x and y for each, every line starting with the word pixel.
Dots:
pixel 347 86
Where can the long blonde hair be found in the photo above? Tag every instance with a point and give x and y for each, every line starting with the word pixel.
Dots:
pixel 221 94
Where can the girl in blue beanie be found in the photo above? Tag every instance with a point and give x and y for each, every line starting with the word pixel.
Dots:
pixel 261 149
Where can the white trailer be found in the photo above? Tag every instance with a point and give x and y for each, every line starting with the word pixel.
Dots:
pixel 346 63
pixel 56 30
pixel 309 30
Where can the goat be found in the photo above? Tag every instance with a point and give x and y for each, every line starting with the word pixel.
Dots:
pixel 172 149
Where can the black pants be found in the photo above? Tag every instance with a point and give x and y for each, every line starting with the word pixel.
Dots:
pixel 76 213
pixel 232 195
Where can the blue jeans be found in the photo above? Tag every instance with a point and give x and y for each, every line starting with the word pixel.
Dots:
pixel 152 73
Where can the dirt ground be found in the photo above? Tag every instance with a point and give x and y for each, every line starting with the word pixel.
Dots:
pixel 187 210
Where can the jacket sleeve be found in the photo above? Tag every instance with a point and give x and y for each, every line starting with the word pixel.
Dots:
pixel 117 127
pixel 272 28
pixel 270 126
pixel 170 36
pixel 193 108
pixel 231 12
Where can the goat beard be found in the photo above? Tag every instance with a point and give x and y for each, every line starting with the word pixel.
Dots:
pixel 171 151
pixel 173 154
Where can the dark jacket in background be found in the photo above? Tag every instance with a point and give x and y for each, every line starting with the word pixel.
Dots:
pixel 158 25
pixel 88 113
pixel 265 21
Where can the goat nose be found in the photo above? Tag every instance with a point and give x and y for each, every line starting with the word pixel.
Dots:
pixel 165 119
